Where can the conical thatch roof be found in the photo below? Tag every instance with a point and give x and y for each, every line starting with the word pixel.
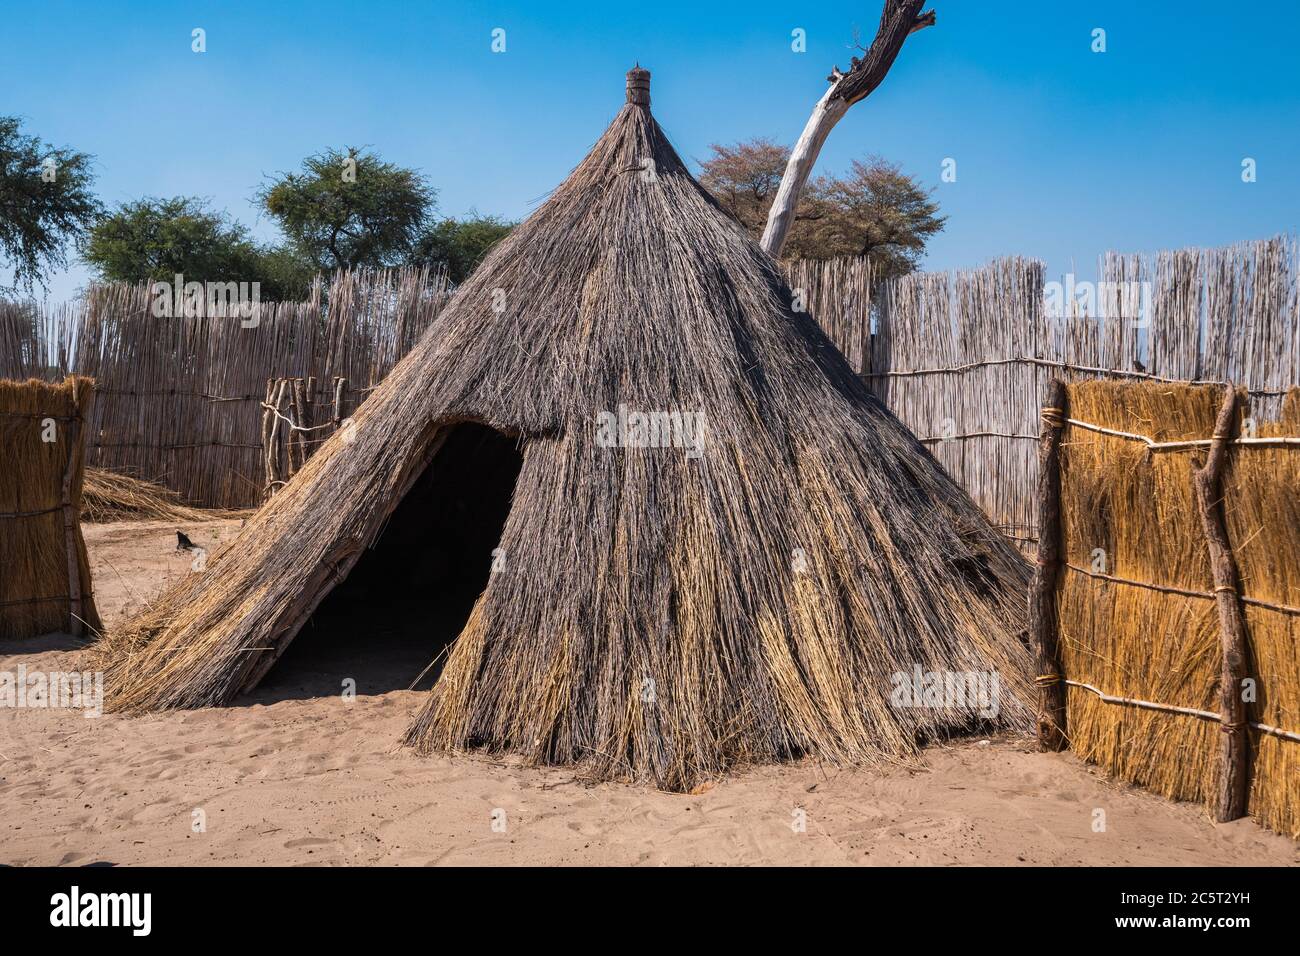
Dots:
pixel 662 616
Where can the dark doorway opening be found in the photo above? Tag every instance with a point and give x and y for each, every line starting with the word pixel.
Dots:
pixel 408 596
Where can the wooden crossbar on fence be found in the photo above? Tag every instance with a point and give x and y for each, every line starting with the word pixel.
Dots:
pixel 1062 366
pixel 1175 709
pixel 1186 444
pixel 1185 592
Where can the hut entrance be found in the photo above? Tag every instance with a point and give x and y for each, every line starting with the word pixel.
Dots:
pixel 408 597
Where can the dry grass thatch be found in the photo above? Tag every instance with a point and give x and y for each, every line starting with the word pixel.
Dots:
pixel 40 490
pixel 1262 493
pixel 769 590
pixel 1139 510
pixel 108 496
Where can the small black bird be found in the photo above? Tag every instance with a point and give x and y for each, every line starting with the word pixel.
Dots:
pixel 183 543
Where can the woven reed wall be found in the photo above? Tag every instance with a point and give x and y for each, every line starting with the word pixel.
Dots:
pixel 179 399
pixel 40 494
pixel 1131 514
pixel 1263 517
pixel 961 357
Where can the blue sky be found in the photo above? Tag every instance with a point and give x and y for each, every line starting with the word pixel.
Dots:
pixel 1061 152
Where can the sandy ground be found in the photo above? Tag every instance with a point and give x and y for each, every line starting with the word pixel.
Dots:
pixel 294 775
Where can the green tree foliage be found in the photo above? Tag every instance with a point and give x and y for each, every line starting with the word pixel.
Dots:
pixel 285 273
pixel 45 205
pixel 156 238
pixel 459 245
pixel 347 209
pixel 876 210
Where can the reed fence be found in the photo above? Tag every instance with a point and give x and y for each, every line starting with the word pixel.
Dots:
pixel 44 573
pixel 179 398
pixel 1166 603
pixel 961 357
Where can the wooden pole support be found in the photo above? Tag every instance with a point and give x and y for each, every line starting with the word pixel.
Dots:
pixel 305 447
pixel 72 437
pixel 1042 590
pixel 266 439
pixel 339 385
pixel 273 454
pixel 298 407
pixel 1234 750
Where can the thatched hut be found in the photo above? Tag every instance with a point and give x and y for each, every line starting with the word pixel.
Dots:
pixel 679 532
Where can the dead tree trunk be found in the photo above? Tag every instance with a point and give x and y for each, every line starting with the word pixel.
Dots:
pixel 898 20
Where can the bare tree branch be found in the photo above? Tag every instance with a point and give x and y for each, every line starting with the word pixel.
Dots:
pixel 898 20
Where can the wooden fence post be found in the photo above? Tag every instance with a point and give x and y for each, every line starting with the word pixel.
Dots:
pixel 1234 749
pixel 273 443
pixel 292 438
pixel 309 406
pixel 1043 625
pixel 72 438
pixel 266 439
pixel 340 384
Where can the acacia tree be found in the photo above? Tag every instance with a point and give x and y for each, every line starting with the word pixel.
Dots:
pixel 156 238
pixel 898 20
pixel 45 205
pixel 346 209
pixel 876 210
pixel 744 178
pixel 150 239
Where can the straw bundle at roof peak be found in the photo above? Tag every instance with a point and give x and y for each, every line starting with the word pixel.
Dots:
pixel 719 547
